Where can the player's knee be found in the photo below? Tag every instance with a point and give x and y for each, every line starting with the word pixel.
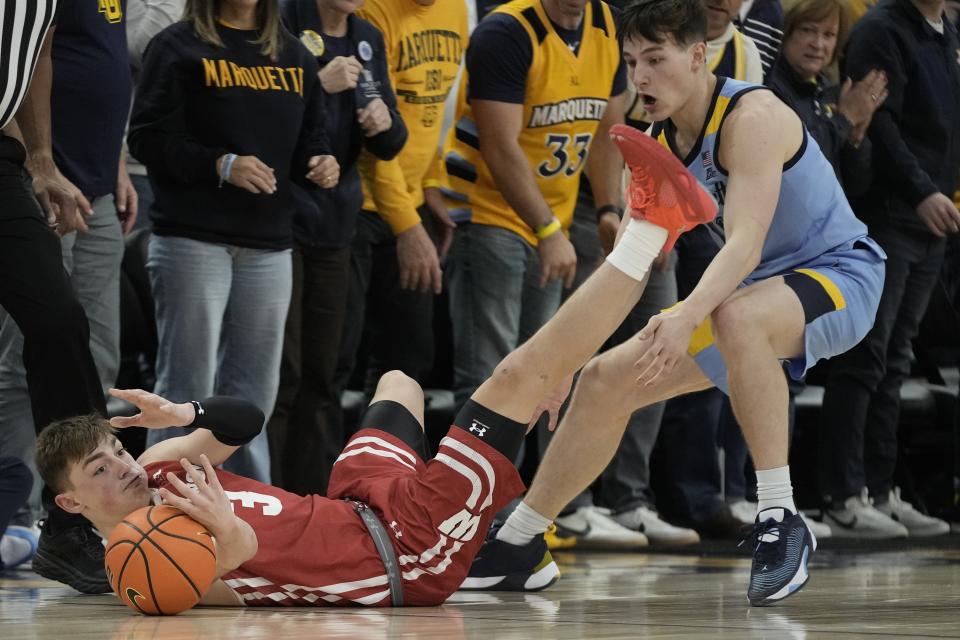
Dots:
pixel 599 377
pixel 396 382
pixel 735 325
pixel 514 371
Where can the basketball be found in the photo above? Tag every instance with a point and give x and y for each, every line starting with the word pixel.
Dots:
pixel 160 561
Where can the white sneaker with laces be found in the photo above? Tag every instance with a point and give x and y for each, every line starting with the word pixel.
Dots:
pixel 917 524
pixel 648 522
pixel 859 519
pixel 594 527
pixel 744 511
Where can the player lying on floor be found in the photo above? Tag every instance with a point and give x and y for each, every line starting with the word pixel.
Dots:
pixel 277 548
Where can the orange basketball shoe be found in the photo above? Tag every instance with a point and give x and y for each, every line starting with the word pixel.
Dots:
pixel 661 190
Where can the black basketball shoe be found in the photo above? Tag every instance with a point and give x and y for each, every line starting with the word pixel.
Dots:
pixel 781 552
pixel 501 566
pixel 72 555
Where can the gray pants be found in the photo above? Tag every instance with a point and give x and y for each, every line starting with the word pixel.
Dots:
pixel 625 482
pixel 93 261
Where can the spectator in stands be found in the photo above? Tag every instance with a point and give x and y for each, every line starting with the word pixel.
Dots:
pixel 227 114
pixel 514 168
pixel 145 19
pixel 836 116
pixel 729 52
pixel 395 263
pixel 306 429
pixel 762 22
pixel 908 206
pixel 90 91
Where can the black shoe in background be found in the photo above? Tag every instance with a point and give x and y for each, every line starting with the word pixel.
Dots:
pixel 72 555
pixel 722 525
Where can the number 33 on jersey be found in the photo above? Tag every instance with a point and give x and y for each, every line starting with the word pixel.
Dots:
pixel 565 97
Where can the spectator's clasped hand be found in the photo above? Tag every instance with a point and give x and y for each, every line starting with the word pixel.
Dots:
pixel 324 171
pixel 340 74
pixel 248 173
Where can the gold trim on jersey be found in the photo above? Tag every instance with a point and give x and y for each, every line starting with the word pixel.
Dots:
pixel 836 296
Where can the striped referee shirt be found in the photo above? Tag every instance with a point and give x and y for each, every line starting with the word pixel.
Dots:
pixel 23 26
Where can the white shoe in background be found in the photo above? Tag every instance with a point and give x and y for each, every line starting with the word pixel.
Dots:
pixel 594 527
pixel 859 519
pixel 744 511
pixel 916 523
pixel 648 522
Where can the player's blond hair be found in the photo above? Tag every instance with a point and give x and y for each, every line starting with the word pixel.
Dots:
pixel 65 442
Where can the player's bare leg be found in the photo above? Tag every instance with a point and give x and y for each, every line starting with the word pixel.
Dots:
pixel 665 201
pixel 753 329
pixel 590 432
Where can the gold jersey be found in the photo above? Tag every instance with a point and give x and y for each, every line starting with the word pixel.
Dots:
pixel 565 97
pixel 424 46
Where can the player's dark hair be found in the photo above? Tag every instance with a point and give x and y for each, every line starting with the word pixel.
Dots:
pixel 685 21
pixel 65 442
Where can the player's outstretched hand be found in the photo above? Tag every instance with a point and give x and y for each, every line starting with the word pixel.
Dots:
pixel 551 404
pixel 667 337
pixel 155 412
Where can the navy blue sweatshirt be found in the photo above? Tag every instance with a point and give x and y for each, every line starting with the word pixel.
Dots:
pixel 916 140
pixel 330 219
pixel 816 104
pixel 195 102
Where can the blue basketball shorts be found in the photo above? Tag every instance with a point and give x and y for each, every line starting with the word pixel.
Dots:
pixel 839 291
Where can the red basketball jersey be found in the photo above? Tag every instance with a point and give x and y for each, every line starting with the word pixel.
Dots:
pixel 312 550
pixel 316 551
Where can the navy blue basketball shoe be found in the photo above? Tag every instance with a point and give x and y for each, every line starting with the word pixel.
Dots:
pixel 782 546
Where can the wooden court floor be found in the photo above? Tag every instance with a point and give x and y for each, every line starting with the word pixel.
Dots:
pixel 894 594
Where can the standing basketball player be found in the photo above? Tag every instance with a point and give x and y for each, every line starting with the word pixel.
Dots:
pixel 797 279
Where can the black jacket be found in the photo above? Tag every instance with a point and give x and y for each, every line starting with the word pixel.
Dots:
pixel 196 102
pixel 816 104
pixel 915 133
pixel 329 218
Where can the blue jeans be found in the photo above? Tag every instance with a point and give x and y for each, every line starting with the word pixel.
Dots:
pixel 495 301
pixel 221 311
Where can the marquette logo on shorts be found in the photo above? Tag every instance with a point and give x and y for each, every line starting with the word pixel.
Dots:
pixel 431 45
pixel 111 10
pixel 572 110
pixel 223 74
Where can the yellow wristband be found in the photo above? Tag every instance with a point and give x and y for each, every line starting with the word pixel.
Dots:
pixel 545 231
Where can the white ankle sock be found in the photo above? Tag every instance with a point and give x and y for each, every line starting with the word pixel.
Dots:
pixel 774 490
pixel 638 248
pixel 522 525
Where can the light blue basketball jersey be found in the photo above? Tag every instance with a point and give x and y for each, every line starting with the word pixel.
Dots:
pixel 812 215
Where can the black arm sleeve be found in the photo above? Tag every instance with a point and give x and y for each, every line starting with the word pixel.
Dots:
pixel 232 421
pixel 498 60
pixel 158 135
pixel 388 144
pixel 876 48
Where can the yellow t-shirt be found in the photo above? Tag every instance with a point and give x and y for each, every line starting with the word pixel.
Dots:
pixel 565 97
pixel 424 47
